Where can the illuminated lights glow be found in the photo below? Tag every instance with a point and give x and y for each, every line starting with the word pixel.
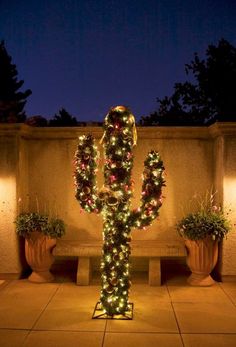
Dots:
pixel 113 201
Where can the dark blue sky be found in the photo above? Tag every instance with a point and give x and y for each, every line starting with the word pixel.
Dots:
pixel 87 56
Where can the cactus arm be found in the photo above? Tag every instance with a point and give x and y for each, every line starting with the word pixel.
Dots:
pixel 151 198
pixel 86 157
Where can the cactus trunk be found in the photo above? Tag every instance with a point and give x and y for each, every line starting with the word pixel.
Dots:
pixel 115 264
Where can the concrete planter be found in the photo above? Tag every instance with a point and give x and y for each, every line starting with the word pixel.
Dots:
pixel 201 259
pixel 38 253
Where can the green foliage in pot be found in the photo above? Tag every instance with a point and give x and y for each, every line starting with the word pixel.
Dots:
pixel 210 220
pixel 29 222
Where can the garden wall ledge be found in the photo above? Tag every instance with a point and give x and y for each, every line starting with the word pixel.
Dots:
pixel 164 132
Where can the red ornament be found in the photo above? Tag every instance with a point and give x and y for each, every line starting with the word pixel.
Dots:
pixel 112 178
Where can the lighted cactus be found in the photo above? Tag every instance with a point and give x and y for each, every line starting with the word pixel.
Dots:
pixel 113 200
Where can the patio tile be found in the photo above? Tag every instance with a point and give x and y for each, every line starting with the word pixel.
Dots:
pixel 197 294
pixel 21 303
pixel 230 289
pixel 70 296
pixel 145 293
pixel 78 293
pixel 21 316
pixel 173 280
pixel 69 314
pixel 12 338
pixel 209 340
pixel 206 317
pixel 63 339
pixel 60 314
pixel 142 340
pixel 148 317
pixel 23 289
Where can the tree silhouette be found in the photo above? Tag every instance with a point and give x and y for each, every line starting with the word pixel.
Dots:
pixel 12 101
pixel 37 121
pixel 211 98
pixel 63 119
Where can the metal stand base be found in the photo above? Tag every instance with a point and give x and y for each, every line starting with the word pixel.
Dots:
pixel 99 313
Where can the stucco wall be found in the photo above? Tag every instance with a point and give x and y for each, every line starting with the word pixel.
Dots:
pixel 229 200
pixel 196 160
pixel 51 182
pixel 9 245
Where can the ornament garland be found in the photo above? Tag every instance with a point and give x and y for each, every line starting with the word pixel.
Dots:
pixel 113 200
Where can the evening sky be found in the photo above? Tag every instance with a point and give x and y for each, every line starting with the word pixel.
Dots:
pixel 87 56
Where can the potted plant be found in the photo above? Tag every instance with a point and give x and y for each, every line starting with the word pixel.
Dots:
pixel 202 230
pixel 40 233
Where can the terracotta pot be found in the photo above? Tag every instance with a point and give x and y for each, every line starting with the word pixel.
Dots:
pixel 38 253
pixel 201 259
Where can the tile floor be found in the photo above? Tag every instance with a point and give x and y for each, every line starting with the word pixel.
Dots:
pixel 174 315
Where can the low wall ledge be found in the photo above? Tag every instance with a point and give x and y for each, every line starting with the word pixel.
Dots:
pixel 155 132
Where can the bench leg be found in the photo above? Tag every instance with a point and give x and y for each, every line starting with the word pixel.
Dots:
pixel 83 271
pixel 155 271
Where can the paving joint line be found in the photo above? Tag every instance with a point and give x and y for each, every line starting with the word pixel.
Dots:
pixel 177 323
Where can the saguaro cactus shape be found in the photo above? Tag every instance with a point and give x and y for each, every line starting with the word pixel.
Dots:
pixel 113 200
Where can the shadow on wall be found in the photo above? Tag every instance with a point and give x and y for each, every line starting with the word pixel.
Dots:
pixel 73 232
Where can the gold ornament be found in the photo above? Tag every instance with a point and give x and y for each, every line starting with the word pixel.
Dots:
pixel 86 157
pixel 119 109
pixel 110 289
pixel 112 201
pixel 116 257
pixel 104 193
pixel 114 281
pixel 102 196
pixel 83 198
pixel 86 190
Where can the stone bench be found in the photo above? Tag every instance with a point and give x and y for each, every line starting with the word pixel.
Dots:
pixel 154 250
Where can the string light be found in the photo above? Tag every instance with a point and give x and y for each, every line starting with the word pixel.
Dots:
pixel 113 200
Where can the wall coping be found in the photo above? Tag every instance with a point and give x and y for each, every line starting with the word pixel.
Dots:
pixel 152 132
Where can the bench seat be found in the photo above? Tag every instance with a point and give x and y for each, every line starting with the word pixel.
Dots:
pixel 151 249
